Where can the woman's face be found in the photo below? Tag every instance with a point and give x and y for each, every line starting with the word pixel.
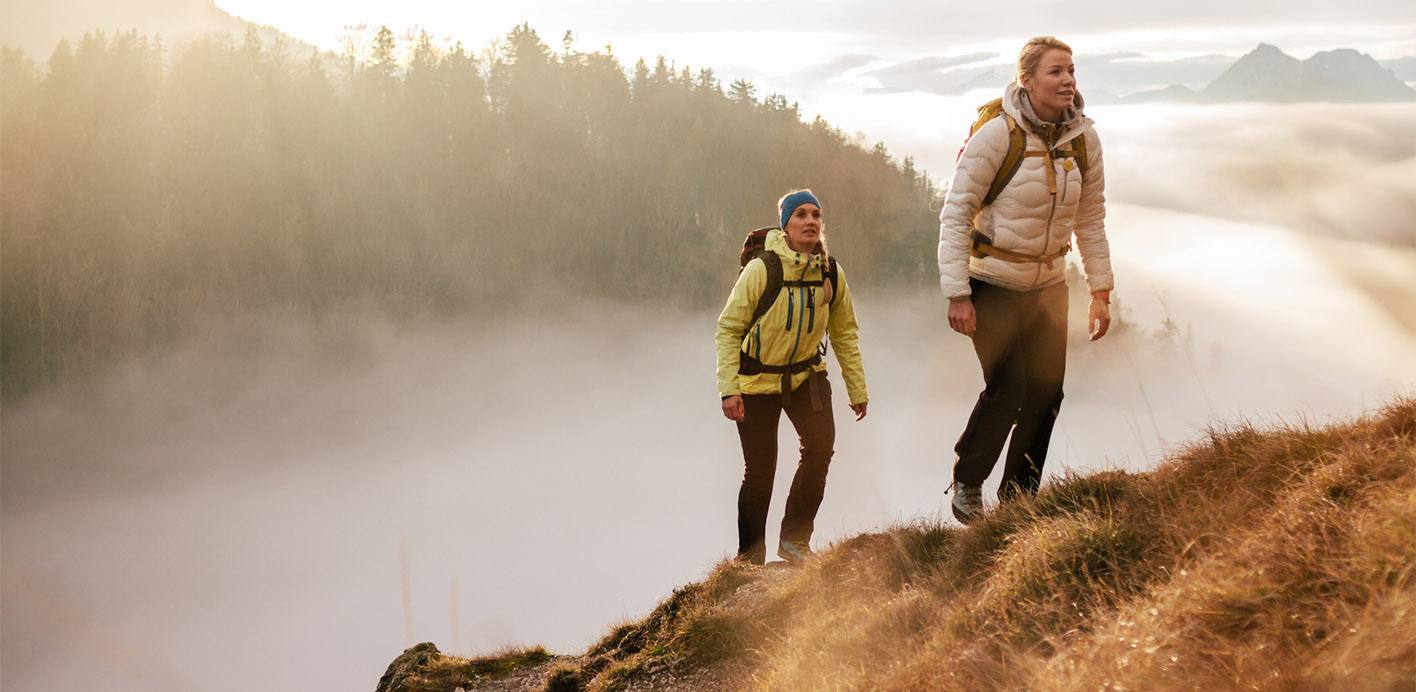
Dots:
pixel 1053 84
pixel 804 227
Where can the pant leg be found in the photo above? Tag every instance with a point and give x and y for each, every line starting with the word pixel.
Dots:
pixel 758 434
pixel 1044 350
pixel 993 416
pixel 816 431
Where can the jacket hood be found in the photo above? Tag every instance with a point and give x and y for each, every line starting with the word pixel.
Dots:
pixel 1076 123
pixel 777 242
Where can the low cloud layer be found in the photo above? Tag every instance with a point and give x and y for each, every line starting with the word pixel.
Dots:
pixel 241 512
pixel 1344 171
pixel 832 69
pixel 259 494
pixel 1106 76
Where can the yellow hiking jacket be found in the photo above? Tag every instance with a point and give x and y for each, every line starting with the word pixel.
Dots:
pixel 791 329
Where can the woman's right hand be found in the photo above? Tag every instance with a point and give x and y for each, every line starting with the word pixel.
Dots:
pixel 962 317
pixel 732 408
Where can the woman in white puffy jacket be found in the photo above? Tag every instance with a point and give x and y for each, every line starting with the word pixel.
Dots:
pixel 1002 243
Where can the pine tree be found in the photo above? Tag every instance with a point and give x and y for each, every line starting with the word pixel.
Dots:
pixel 383 60
pixel 742 91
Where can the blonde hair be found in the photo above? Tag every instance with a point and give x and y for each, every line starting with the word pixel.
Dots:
pixel 1032 53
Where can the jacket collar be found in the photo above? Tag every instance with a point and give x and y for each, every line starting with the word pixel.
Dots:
pixel 1076 123
pixel 777 242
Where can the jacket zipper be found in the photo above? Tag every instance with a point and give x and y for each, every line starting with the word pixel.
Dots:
pixel 797 343
pixel 1047 230
pixel 811 303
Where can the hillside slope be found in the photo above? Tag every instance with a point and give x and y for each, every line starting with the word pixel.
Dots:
pixel 36 27
pixel 233 181
pixel 1256 559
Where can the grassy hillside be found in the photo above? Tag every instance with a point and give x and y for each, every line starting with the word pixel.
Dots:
pixel 1255 559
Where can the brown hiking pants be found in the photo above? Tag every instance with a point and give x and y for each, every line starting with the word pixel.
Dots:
pixel 810 414
pixel 1021 342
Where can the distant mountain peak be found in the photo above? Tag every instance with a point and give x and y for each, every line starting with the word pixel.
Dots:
pixel 1342 56
pixel 1342 75
pixel 1266 53
pixel 1267 74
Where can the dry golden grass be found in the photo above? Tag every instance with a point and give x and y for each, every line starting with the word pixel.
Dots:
pixel 1280 559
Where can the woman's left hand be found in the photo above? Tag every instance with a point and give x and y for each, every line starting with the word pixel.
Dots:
pixel 860 409
pixel 1098 317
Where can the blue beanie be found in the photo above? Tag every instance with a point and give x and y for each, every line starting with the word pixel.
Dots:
pixel 792 201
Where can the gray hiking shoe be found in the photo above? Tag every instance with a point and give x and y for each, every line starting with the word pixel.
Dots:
pixel 793 552
pixel 968 502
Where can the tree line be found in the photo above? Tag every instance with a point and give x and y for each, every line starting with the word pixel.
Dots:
pixel 142 186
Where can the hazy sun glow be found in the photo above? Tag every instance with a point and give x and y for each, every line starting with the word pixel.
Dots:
pixel 776 39
pixel 284 497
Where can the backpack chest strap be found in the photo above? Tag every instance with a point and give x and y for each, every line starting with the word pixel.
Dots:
pixel 1046 166
pixel 1047 159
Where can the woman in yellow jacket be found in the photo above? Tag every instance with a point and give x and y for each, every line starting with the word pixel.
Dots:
pixel 775 365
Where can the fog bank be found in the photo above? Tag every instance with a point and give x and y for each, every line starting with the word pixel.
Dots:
pixel 240 512
pixel 1334 170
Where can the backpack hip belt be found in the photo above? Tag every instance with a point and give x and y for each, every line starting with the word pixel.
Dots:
pixel 981 246
pixel 747 365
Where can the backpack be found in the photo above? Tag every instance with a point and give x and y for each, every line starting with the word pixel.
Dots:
pixel 1017 148
pixel 755 245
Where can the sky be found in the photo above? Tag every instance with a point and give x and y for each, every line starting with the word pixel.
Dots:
pixel 784 36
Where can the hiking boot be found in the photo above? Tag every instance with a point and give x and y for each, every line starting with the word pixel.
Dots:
pixel 968 502
pixel 793 552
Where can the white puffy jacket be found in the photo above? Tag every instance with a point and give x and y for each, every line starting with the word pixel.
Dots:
pixel 1025 217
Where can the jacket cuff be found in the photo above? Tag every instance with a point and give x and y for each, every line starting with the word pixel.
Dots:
pixel 955 290
pixel 1101 282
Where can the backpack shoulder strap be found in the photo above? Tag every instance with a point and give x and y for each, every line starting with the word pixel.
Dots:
pixel 773 263
pixel 1012 159
pixel 1079 145
pixel 831 277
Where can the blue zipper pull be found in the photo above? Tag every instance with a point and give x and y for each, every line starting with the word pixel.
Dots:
pixel 811 301
pixel 789 311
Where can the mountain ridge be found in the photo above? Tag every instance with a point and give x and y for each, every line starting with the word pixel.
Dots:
pixel 1267 74
pixel 36 28
pixel 1252 559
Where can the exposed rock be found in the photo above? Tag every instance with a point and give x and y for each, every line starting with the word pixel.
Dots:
pixel 409 664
